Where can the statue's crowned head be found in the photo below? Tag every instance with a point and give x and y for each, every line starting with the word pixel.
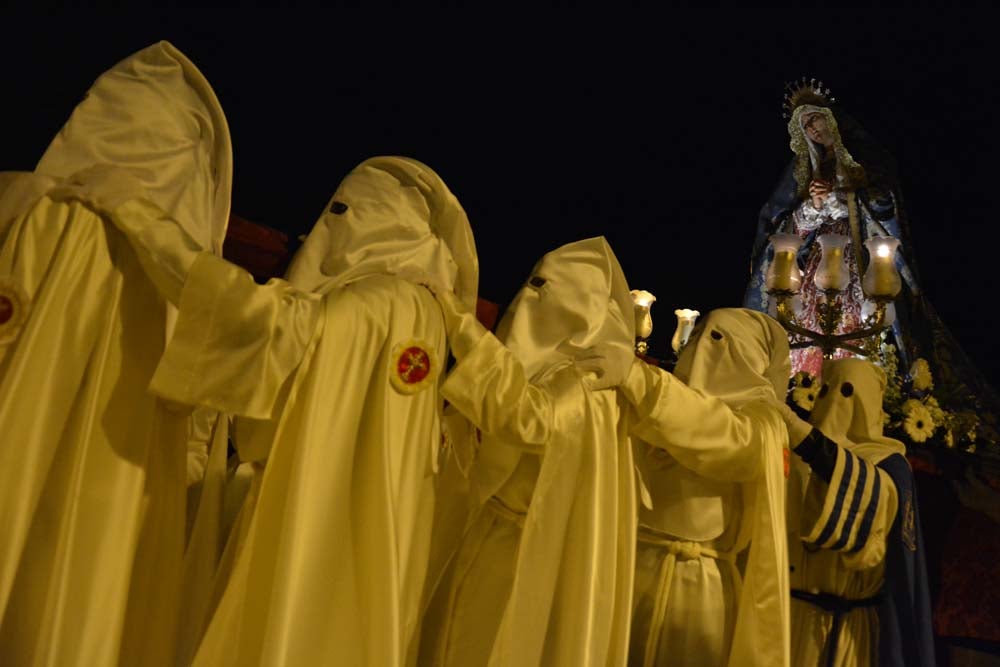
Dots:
pixel 814 135
pixel 805 92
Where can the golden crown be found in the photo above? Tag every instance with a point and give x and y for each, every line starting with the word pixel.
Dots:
pixel 805 91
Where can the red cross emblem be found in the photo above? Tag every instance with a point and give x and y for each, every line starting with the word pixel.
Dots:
pixel 6 309
pixel 414 365
pixel 13 309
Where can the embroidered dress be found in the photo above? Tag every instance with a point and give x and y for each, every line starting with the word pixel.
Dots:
pixel 810 223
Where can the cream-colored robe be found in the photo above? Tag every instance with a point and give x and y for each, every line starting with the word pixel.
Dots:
pixel 544 572
pixel 92 487
pixel 713 469
pixel 332 566
pixel 92 472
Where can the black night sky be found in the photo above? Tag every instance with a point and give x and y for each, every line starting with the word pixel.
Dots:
pixel 660 131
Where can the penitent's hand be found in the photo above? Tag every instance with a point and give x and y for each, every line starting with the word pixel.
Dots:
pixel 798 428
pixel 639 381
pixel 163 248
pixel 463 329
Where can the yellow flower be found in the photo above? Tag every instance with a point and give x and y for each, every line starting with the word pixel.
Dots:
pixel 937 413
pixel 804 397
pixel 911 404
pixel 920 372
pixel 919 424
pixel 949 439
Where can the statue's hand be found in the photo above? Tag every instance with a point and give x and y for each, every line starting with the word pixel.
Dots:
pixel 818 190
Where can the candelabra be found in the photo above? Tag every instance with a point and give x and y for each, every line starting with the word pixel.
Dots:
pixel 881 284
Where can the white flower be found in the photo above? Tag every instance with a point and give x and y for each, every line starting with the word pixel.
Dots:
pixel 804 397
pixel 804 379
pixel 920 372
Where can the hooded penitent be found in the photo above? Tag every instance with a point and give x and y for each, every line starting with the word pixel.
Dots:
pixel 92 494
pixel 713 468
pixel 391 216
pixel 848 409
pixel 155 116
pixel 335 383
pixel 855 537
pixel 571 311
pixel 555 453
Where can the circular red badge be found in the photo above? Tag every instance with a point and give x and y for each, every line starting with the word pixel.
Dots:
pixel 413 365
pixel 6 309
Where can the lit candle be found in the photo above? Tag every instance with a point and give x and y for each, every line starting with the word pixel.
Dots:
pixel 832 273
pixel 685 324
pixel 783 274
pixel 881 279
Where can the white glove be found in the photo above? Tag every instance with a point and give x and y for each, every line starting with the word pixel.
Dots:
pixel 641 380
pixel 463 329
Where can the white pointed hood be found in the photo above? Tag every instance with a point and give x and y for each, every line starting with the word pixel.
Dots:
pixel 575 307
pixel 395 216
pixel 155 115
pixel 737 355
pixel 848 408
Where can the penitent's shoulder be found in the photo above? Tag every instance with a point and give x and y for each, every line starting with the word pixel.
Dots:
pixel 383 298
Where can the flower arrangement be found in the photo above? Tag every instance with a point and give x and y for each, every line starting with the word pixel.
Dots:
pixel 915 411
pixel 919 414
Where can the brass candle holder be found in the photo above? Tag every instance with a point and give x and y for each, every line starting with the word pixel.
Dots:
pixel 881 284
pixel 643 302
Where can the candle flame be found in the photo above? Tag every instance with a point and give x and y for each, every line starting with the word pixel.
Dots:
pixel 883 250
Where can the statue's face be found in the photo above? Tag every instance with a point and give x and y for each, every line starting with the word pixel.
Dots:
pixel 817 129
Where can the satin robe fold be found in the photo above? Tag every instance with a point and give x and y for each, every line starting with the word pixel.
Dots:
pixel 716 482
pixel 92 467
pixel 332 565
pixel 553 585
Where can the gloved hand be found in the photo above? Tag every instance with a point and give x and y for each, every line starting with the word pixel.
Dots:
pixel 639 382
pixel 103 186
pixel 463 329
pixel 607 364
pixel 798 428
pixel 164 249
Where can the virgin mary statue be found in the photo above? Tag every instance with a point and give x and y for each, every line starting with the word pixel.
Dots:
pixel 840 181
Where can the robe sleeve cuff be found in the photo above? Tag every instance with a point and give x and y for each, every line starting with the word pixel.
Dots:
pixel 854 509
pixel 235 342
pixel 489 387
